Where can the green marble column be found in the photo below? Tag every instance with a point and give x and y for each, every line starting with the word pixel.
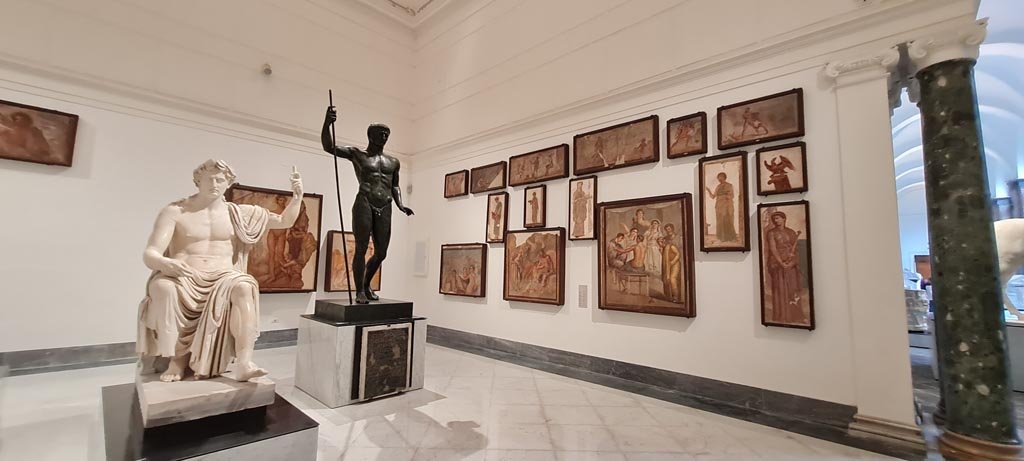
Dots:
pixel 965 271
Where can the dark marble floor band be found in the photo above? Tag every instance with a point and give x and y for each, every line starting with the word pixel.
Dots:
pixel 71 358
pixel 802 415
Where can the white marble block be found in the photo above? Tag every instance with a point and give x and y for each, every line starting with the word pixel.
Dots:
pixel 166 403
pixel 326 357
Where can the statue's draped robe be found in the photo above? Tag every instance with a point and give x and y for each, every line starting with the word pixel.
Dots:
pixel 195 319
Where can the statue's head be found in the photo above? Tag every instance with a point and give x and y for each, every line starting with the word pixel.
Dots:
pixel 213 178
pixel 378 133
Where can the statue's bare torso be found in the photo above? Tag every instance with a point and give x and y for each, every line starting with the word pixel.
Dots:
pixel 203 238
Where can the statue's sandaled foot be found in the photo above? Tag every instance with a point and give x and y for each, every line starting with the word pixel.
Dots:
pixel 175 370
pixel 248 371
pixel 361 298
pixel 371 295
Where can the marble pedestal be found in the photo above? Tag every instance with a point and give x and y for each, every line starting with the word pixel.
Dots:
pixel 274 432
pixel 326 357
pixel 166 403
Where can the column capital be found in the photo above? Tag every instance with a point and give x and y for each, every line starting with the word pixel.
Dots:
pixel 959 43
pixel 886 60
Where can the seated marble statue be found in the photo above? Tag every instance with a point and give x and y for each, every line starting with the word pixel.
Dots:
pixel 201 308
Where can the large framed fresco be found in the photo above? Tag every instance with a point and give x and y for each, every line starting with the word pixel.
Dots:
pixel 535 266
pixel 488 177
pixel 535 206
pixel 787 295
pixel 782 169
pixel 687 135
pixel 539 166
pixel 646 256
pixel 338 275
pixel 626 144
pixel 497 217
pixel 724 222
pixel 769 118
pixel 286 260
pixel 583 208
pixel 456 184
pixel 37 135
pixel 464 270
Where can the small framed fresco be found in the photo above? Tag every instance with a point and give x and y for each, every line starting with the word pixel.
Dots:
pixel 488 177
pixel 583 208
pixel 286 261
pixel 338 275
pixel 535 266
pixel 535 206
pixel 497 217
pixel 769 118
pixel 539 166
pixel 456 184
pixel 464 270
pixel 646 256
pixel 687 135
pixel 782 169
pixel 626 144
pixel 787 296
pixel 37 135
pixel 724 222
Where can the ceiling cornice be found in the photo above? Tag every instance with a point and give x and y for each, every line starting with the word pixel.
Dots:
pixel 408 12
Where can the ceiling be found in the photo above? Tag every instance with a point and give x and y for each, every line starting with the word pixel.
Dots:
pixel 409 12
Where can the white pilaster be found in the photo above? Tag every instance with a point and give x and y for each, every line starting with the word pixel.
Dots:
pixel 882 381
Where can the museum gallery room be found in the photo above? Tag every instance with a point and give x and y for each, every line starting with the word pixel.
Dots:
pixel 516 230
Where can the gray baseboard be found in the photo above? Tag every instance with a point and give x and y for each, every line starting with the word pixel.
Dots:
pixel 802 415
pixel 70 358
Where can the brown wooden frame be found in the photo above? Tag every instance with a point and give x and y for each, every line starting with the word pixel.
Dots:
pixel 229 195
pixel 565 161
pixel 483 268
pixel 465 191
pixel 704 136
pixel 504 176
pixel 810 258
pixel 803 160
pixel 686 237
pixel 576 171
pixel 487 217
pixel 743 212
pixel 328 271
pixel 73 127
pixel 544 206
pixel 593 225
pixel 561 268
pixel 799 92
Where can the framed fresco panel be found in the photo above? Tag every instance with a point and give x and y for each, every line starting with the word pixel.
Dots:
pixel 535 266
pixel 488 177
pixel 286 260
pixel 539 166
pixel 338 275
pixel 646 256
pixel 497 217
pixel 769 118
pixel 787 295
pixel 464 270
pixel 626 144
pixel 37 135
pixel 782 169
pixel 456 184
pixel 535 206
pixel 583 208
pixel 687 135
pixel 724 225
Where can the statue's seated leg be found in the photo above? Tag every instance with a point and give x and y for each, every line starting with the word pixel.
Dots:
pixel 163 305
pixel 243 324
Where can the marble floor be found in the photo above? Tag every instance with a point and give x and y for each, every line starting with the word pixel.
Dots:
pixel 472 408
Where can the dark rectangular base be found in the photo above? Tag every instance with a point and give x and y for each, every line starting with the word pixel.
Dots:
pixel 339 310
pixel 126 439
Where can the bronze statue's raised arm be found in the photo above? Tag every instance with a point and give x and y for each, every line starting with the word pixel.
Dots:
pixel 396 192
pixel 327 140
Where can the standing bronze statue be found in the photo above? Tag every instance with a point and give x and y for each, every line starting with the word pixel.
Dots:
pixel 377 173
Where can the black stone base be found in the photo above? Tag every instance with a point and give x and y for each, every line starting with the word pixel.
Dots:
pixel 126 439
pixel 339 310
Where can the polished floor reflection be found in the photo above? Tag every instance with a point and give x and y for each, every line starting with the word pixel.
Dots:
pixel 473 408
